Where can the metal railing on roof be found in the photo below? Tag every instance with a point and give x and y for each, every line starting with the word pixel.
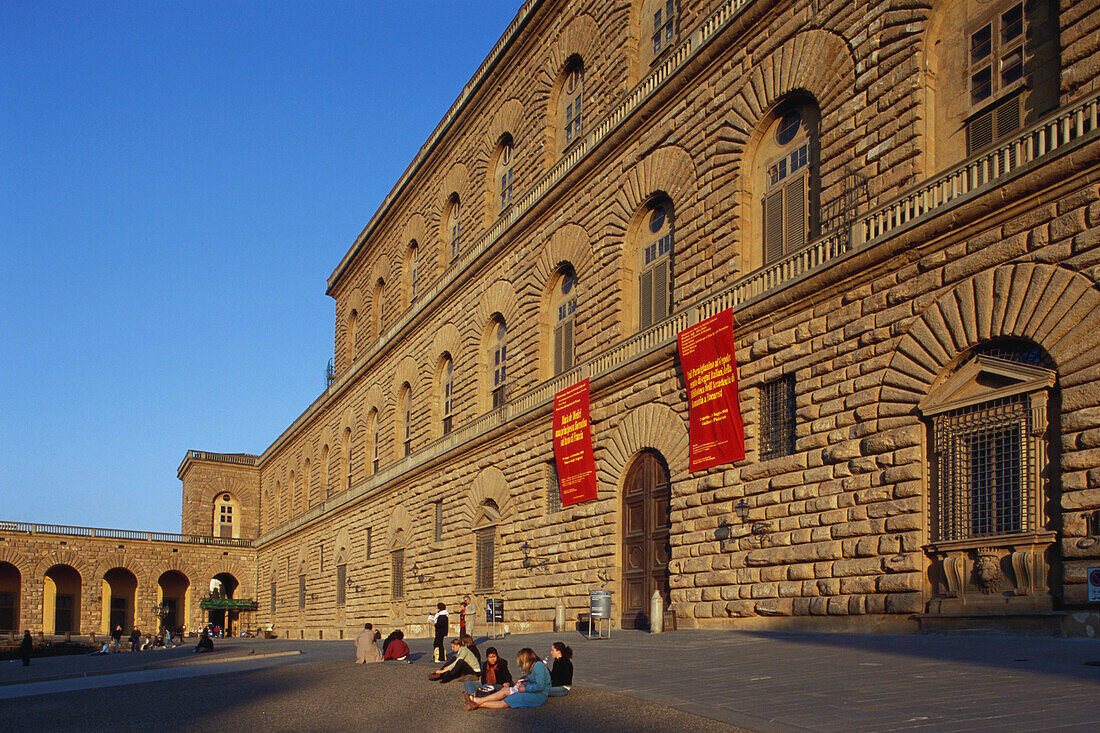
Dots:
pixel 122 534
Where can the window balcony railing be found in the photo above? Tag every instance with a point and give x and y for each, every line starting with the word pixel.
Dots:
pixel 1039 143
pixel 121 534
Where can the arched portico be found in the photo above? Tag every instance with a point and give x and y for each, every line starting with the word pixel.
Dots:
pixel 61 600
pixel 174 592
pixel 11 585
pixel 119 593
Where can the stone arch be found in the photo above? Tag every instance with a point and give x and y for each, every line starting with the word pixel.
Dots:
pixel 568 245
pixel 447 340
pixel 653 426
pixel 324 461
pixel 500 297
pixel 400 521
pixel 1056 308
pixel 20 561
pixel 233 567
pixel 73 559
pixel 122 559
pixel 416 230
pixel 579 37
pixel 489 483
pixel 353 304
pixel 176 563
pixel 507 118
pixel 456 181
pixel 407 371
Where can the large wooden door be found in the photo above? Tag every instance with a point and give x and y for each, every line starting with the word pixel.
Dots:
pixel 646 497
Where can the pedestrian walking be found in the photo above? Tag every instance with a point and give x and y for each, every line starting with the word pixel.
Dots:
pixel 26 648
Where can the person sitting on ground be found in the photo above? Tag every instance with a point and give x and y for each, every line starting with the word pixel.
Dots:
pixel 494 675
pixel 464 663
pixel 370 652
pixel 561 674
pixel 529 692
pixel 206 644
pixel 395 647
pixel 365 648
pixel 468 641
pixel 106 649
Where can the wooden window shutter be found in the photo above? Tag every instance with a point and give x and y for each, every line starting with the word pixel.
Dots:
pixel 559 348
pixel 979 133
pixel 796 224
pixel 773 226
pixel 645 292
pixel 660 290
pixel 567 345
pixel 1006 117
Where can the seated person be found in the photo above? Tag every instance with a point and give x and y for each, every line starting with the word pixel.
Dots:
pixel 395 648
pixel 206 644
pixel 494 675
pixel 464 663
pixel 561 674
pixel 530 692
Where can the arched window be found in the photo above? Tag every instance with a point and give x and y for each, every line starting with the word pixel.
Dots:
pixel 655 240
pixel 352 334
pixel 226 516
pixel 379 307
pixel 563 307
pixel 785 175
pixel 406 405
pixel 372 431
pixel 447 394
pixel 324 472
pixel 989 433
pixel 345 459
pixel 485 534
pixel 571 104
pixel 454 226
pixel 659 23
pixel 504 172
pixel 397 566
pixel 307 483
pixel 498 353
pixel 413 266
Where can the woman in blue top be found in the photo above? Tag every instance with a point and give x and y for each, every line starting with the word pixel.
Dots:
pixel 529 692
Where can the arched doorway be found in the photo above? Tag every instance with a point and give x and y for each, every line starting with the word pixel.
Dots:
pixel 647 494
pixel 10 587
pixel 223 585
pixel 61 600
pixel 119 592
pixel 172 589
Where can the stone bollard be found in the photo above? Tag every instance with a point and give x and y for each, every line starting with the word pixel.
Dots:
pixel 656 613
pixel 559 617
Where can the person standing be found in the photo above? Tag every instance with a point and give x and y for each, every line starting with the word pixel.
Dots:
pixel 135 639
pixel 26 648
pixel 116 636
pixel 439 621
pixel 366 650
pixel 462 616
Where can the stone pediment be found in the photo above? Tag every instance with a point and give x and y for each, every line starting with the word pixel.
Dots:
pixel 982 379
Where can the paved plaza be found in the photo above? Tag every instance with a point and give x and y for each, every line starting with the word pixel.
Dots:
pixel 633 681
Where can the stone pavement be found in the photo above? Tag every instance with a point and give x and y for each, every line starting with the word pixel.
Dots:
pixel 758 681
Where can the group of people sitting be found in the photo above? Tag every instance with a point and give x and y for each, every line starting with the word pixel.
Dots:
pixel 496 688
pixel 552 677
pixel 393 648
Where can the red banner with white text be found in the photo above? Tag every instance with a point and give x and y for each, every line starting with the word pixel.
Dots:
pixel 573 445
pixel 716 432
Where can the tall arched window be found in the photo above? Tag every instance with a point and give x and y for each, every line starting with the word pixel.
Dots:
pixel 406 406
pixel 563 307
pixel 372 431
pixel 324 473
pixel 571 104
pixel 504 172
pixel 498 353
pixel 786 178
pixel 485 534
pixel 345 459
pixel 352 334
pixel 413 264
pixel 307 483
pixel 379 307
pixel 447 394
pixel 655 266
pixel 454 226
pixel 226 516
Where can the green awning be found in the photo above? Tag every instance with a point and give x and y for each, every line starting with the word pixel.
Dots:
pixel 228 604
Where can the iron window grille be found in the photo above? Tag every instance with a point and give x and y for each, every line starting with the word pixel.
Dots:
pixel 397 574
pixel 438 521
pixel 984 460
pixel 341 584
pixel 486 539
pixel 553 489
pixel 777 418
pixel 301 592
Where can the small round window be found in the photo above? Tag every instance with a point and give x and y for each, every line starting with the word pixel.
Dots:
pixel 567 284
pixel 788 127
pixel 657 218
pixel 225 497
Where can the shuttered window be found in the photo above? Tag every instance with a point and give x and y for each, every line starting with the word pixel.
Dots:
pixel 397 574
pixel 564 305
pixel 486 539
pixel 996 69
pixel 341 583
pixel 786 204
pixel 655 281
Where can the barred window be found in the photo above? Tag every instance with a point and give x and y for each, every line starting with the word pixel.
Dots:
pixel 486 539
pixel 368 543
pixel 438 521
pixel 984 458
pixel 341 583
pixel 553 488
pixel 777 418
pixel 301 592
pixel 397 574
pixel 274 597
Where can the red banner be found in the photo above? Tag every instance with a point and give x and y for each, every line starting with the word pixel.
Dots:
pixel 710 369
pixel 573 445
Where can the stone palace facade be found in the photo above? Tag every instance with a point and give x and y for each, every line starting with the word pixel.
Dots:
pixel 899 201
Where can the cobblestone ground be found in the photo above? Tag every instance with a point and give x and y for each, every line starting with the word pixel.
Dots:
pixel 329 696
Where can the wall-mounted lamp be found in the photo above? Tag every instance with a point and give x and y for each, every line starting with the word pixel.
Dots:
pixel 531 562
pixel 416 574
pixel 741 509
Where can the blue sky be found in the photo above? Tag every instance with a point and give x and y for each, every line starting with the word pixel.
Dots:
pixel 177 181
